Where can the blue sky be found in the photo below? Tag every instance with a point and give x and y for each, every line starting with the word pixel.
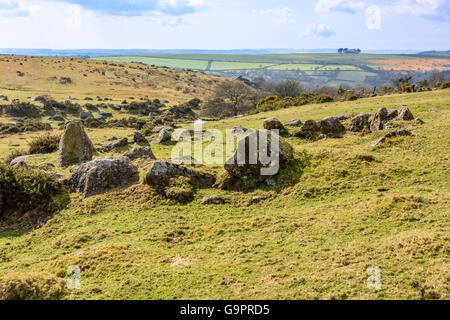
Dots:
pixel 225 24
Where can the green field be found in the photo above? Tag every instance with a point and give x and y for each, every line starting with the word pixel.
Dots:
pixel 311 69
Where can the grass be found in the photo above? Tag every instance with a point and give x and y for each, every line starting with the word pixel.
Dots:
pixel 320 229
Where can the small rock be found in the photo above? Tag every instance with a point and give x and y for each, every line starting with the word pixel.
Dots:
pixel 19 159
pixel 138 137
pixel 391 135
pixel 85 115
pixel 331 127
pixel 145 153
pixel 360 122
pixel 405 114
pixel 105 114
pixel 293 123
pixel 58 117
pixel 159 129
pixel 187 160
pixel 342 117
pixel 164 136
pixel 116 144
pixel 273 124
pixel 212 200
pixel 45 164
pixel 20 164
pixel 258 199
pixel 309 130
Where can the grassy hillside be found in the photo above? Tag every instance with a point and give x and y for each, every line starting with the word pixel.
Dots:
pixel 23 77
pixel 346 206
pixel 312 69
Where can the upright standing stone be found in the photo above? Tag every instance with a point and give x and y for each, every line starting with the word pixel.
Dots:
pixel 75 145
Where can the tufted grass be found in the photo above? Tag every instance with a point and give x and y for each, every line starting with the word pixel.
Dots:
pixel 352 206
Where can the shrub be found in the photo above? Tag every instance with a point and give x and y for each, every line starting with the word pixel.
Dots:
pixel 44 144
pixel 65 80
pixel 268 100
pixel 24 126
pixel 26 189
pixel 22 109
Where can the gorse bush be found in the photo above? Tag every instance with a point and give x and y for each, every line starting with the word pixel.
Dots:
pixel 26 189
pixel 272 103
pixel 24 126
pixel 44 144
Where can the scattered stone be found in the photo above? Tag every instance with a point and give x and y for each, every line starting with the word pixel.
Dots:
pixel 392 134
pixel 379 120
pixel 85 115
pixel 259 171
pixel 309 130
pixel 419 121
pixel 75 145
pixel 159 129
pixel 112 139
pixel 99 175
pixel 57 117
pixel 258 199
pixel 19 159
pixel 392 114
pixel 20 164
pixel 56 176
pixel 164 136
pixel 273 124
pixel 360 122
pixel 293 123
pixel 238 130
pixel 187 160
pixel 161 172
pixel 434 110
pixel 332 127
pixel 212 200
pixel 116 144
pixel 105 114
pixel 116 107
pixel 45 164
pixel 342 117
pixel 145 153
pixel 138 137
pixel 405 114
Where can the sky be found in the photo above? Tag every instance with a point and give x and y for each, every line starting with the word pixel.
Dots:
pixel 225 24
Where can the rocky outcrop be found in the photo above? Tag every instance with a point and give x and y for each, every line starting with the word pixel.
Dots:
pixel 246 162
pixel 145 153
pixel 75 145
pixel 393 134
pixel 332 127
pixel 159 129
pixel 97 176
pixel 273 124
pixel 360 122
pixel 382 118
pixel 161 172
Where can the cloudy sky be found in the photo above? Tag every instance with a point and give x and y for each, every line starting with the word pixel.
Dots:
pixel 225 24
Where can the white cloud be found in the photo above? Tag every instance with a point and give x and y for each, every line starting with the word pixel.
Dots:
pixel 429 9
pixel 340 5
pixel 280 15
pixel 321 30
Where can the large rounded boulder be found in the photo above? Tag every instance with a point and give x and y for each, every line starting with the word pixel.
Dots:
pixel 360 122
pixel 75 145
pixel 332 127
pixel 103 174
pixel 273 124
pixel 248 161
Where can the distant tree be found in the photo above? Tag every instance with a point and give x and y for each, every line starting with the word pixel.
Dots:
pixel 341 50
pixel 435 79
pixel 262 84
pixel 288 88
pixel 401 82
pixel 238 95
